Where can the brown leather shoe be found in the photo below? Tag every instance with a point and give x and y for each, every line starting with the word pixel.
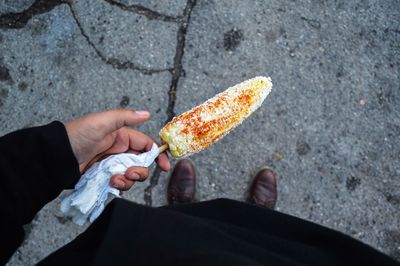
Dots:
pixel 263 190
pixel 182 183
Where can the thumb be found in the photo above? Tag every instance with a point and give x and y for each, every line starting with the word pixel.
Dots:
pixel 110 121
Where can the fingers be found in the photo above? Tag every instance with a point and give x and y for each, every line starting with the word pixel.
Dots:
pixel 163 162
pixel 100 134
pixel 110 121
pixel 120 182
pixel 126 181
pixel 139 141
pixel 136 173
pixel 130 140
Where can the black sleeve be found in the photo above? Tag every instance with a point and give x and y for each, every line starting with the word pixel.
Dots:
pixel 36 164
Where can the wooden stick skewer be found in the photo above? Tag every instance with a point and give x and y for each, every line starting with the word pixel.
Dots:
pixel 163 147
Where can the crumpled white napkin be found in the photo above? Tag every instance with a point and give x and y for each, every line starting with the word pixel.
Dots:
pixel 88 199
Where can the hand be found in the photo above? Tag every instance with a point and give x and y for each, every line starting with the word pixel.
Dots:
pixel 97 135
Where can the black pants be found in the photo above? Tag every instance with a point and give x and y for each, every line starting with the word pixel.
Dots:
pixel 218 232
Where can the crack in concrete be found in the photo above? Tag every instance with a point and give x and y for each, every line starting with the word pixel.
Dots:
pixel 114 62
pixel 176 74
pixel 144 11
pixel 178 68
pixel 20 19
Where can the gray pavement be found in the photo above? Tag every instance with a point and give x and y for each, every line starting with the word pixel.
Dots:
pixel 330 127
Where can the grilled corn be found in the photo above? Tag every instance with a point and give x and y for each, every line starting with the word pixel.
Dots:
pixel 207 123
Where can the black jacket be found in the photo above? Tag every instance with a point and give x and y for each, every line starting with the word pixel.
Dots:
pixel 219 232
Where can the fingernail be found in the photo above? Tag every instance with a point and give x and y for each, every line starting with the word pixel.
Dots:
pixel 119 184
pixel 143 113
pixel 134 176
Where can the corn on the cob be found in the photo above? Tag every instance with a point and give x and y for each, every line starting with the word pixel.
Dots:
pixel 207 123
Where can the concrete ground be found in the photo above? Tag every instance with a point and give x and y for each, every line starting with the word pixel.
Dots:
pixel 330 127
